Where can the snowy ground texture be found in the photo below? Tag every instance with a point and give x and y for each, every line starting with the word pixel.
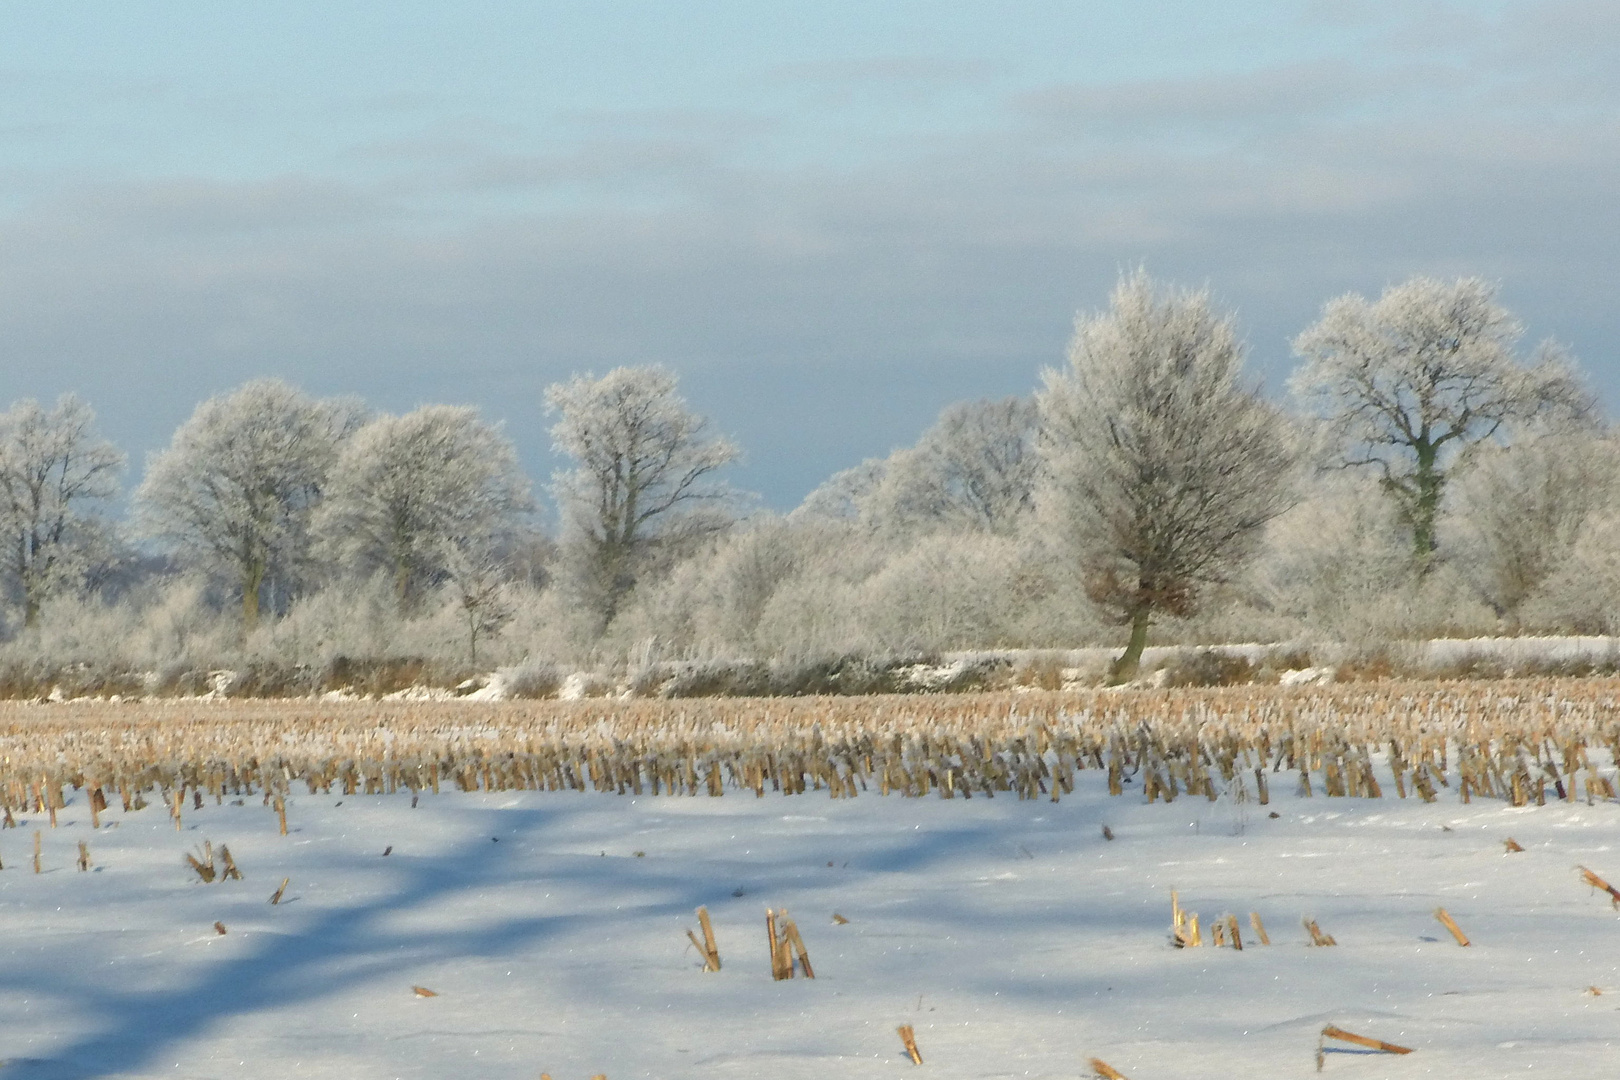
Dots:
pixel 1014 938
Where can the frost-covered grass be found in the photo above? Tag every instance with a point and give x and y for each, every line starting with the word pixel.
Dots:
pixel 1011 935
pixel 847 674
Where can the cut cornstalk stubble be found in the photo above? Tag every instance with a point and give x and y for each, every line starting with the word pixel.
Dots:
pixel 1183 924
pixel 205 864
pixel 778 948
pixel 1451 924
pixel 707 947
pixel 908 1039
pixel 1104 1071
pixel 1331 1032
pixel 1317 937
pixel 784 940
pixel 1512 845
pixel 422 991
pixel 275 897
pixel 1259 927
pixel 798 947
pixel 1586 875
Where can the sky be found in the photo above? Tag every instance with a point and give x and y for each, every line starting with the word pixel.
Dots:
pixel 830 219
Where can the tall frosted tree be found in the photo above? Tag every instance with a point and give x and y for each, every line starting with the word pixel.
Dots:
pixel 53 470
pixel 644 479
pixel 1410 381
pixel 235 489
pixel 417 496
pixel 1164 467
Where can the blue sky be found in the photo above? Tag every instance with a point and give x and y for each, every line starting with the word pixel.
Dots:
pixel 830 219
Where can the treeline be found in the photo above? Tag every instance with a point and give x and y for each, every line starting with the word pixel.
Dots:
pixel 1425 477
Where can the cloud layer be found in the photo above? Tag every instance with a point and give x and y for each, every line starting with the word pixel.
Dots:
pixel 838 248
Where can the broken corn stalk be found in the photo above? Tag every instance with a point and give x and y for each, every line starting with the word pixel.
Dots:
pixel 908 1038
pixel 1331 1032
pixel 1586 875
pixel 1451 924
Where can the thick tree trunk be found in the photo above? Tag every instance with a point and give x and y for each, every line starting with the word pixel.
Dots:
pixel 1429 485
pixel 1130 661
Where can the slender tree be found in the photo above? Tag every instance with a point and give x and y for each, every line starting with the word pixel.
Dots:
pixel 53 468
pixel 236 487
pixel 644 476
pixel 1164 468
pixel 1407 383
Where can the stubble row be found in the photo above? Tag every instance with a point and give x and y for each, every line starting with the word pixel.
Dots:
pixel 1525 741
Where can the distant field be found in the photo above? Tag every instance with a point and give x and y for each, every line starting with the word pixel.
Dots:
pixel 1519 740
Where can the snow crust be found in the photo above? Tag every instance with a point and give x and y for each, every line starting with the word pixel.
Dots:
pixel 1014 938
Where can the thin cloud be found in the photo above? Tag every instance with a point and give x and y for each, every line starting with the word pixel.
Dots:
pixel 1290 94
pixel 888 69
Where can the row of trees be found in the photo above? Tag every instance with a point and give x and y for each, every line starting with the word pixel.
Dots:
pixel 1146 481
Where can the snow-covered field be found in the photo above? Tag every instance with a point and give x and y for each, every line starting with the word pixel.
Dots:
pixel 1015 939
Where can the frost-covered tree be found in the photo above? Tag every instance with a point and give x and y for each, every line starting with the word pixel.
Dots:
pixel 845 495
pixel 237 485
pixel 480 595
pixel 1336 562
pixel 1520 510
pixel 644 479
pixel 53 470
pixel 1164 467
pixel 975 468
pixel 1583 591
pixel 415 495
pixel 1410 381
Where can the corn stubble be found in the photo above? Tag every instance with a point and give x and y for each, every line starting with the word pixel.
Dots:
pixel 707 948
pixel 1521 742
pixel 786 946
pixel 1451 924
pixel 1524 741
pixel 908 1039
pixel 1341 1035
pixel 1591 879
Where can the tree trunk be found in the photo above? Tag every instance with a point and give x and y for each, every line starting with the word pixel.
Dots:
pixel 31 611
pixel 1429 485
pixel 1130 661
pixel 252 582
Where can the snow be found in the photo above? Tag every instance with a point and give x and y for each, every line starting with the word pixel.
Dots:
pixel 1014 938
pixel 1446 652
pixel 1311 676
